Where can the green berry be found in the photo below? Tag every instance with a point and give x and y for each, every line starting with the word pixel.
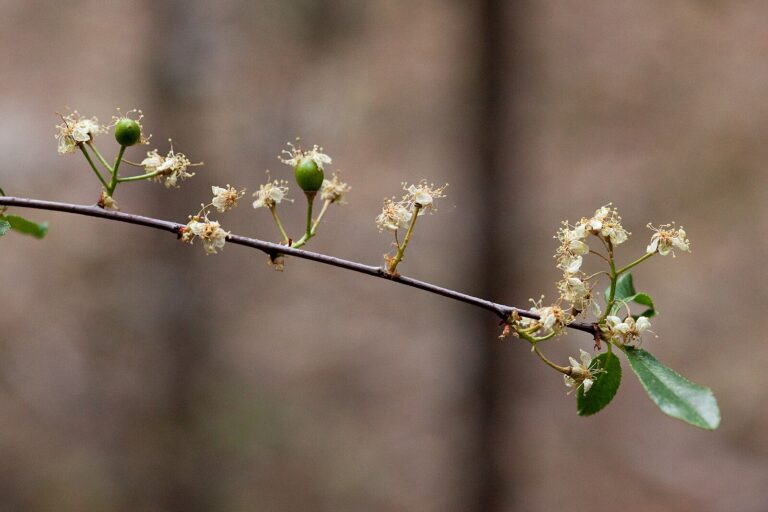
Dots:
pixel 127 132
pixel 308 175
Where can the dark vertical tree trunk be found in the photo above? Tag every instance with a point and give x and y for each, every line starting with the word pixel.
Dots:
pixel 496 160
pixel 178 61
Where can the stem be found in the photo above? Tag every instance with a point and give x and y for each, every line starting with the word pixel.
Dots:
pixel 326 204
pixel 304 239
pixel 310 203
pixel 401 249
pixel 140 177
pixel 98 155
pixel 598 254
pixel 635 263
pixel 562 369
pixel 113 182
pixel 612 291
pixel 500 310
pixel 286 239
pixel 90 162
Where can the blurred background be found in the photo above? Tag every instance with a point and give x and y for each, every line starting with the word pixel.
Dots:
pixel 137 374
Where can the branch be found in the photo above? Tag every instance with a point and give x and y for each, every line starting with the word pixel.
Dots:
pixel 273 249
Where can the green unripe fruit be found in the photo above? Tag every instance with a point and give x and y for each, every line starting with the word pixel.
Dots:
pixel 308 175
pixel 127 132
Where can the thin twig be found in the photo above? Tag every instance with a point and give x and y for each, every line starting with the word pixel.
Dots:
pixel 501 310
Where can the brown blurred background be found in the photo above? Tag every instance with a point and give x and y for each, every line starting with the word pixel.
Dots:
pixel 137 374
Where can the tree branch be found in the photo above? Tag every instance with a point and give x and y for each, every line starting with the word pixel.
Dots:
pixel 273 249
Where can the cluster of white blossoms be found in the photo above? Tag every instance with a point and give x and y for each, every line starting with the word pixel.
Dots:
pixel 210 232
pixel 225 198
pixel 581 373
pixel 575 289
pixel 418 198
pixel 605 223
pixel 334 190
pixel 271 193
pixel 295 154
pixel 75 130
pixel 394 215
pixel 627 330
pixel 172 168
pixel 666 238
pixel 553 318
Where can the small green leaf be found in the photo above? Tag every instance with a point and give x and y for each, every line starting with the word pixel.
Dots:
pixel 25 226
pixel 625 294
pixel 4 227
pixel 605 386
pixel 674 394
pixel 625 288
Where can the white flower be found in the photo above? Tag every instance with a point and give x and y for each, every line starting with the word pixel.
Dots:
pixel 333 190
pixel 172 168
pixel 617 326
pixel 596 222
pixel 580 373
pixel 296 154
pixel 666 238
pixel 611 227
pixel 552 318
pixel 628 329
pixel 572 247
pixel 423 195
pixel 642 324
pixel 75 130
pixel 606 223
pixel 393 216
pixel 271 194
pixel 224 199
pixel 574 290
pixel 210 232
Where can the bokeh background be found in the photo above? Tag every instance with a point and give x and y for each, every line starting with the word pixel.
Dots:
pixel 137 374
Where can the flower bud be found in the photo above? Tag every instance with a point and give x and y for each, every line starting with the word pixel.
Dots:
pixel 308 175
pixel 127 132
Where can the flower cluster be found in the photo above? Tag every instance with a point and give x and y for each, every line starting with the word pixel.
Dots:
pixel 74 130
pixel 334 190
pixel 224 199
pixel 210 232
pixel 604 224
pixel 581 374
pixel 172 168
pixel 295 154
pixel 627 330
pixel 271 193
pixel 576 297
pixel 418 198
pixel 666 238
pixel 394 215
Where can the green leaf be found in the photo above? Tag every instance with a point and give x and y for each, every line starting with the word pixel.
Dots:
pixel 605 386
pixel 25 226
pixel 4 227
pixel 625 294
pixel 625 288
pixel 674 394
